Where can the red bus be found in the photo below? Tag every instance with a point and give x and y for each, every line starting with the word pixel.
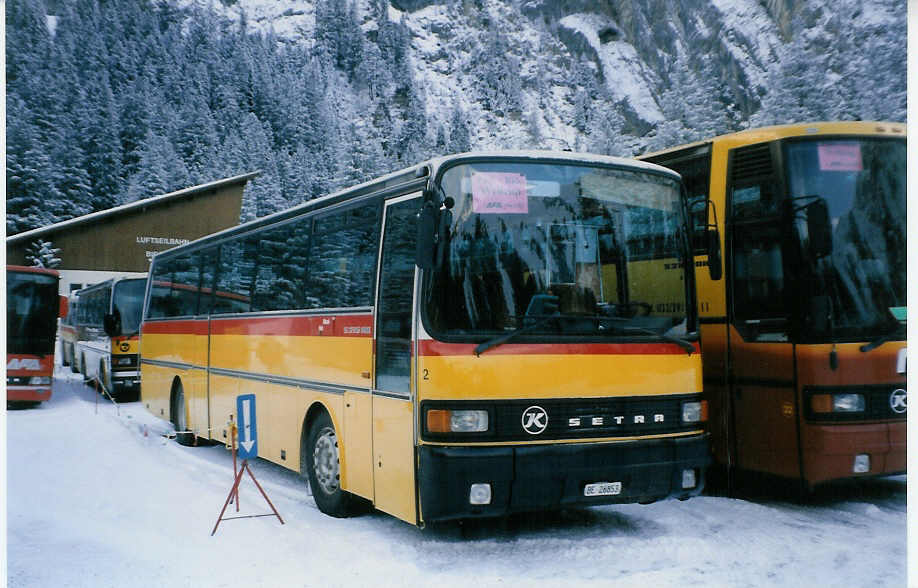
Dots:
pixel 32 308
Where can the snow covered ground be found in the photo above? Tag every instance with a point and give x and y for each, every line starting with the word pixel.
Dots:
pixel 97 497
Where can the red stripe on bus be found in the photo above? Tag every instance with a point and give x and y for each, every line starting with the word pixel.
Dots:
pixel 315 326
pixel 441 349
pixel 183 327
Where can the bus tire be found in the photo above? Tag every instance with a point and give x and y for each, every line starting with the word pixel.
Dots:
pixel 73 362
pixel 86 378
pixel 323 468
pixel 177 415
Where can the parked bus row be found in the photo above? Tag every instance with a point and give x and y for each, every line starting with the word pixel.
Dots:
pixel 489 333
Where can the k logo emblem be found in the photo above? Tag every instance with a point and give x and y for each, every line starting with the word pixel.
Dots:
pixel 898 401
pixel 534 420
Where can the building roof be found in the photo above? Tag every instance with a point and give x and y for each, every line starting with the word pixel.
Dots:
pixel 138 205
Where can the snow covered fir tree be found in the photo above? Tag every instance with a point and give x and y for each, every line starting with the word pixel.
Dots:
pixel 111 102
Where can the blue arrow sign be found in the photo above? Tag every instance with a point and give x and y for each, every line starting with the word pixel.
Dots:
pixel 245 419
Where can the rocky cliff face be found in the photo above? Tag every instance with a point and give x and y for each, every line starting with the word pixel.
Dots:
pixel 637 58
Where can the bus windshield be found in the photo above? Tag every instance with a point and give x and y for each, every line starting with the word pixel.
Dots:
pixel 128 301
pixel 31 312
pixel 559 250
pixel 862 281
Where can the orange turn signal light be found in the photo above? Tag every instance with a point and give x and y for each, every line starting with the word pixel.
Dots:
pixel 821 403
pixel 438 421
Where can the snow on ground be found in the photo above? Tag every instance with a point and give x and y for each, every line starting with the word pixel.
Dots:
pixel 96 496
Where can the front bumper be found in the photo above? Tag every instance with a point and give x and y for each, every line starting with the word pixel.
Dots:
pixel 126 380
pixel 28 393
pixel 545 477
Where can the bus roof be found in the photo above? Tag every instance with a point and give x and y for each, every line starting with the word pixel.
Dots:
pixel 32 270
pixel 761 134
pixel 418 174
pixel 102 284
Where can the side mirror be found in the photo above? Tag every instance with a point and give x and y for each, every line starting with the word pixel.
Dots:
pixel 63 307
pixel 427 232
pixel 712 242
pixel 818 228
pixel 111 324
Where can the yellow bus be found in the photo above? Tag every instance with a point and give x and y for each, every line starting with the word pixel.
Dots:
pixel 804 341
pixel 464 338
pixel 107 326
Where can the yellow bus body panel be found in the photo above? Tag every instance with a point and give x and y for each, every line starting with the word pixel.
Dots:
pixel 493 376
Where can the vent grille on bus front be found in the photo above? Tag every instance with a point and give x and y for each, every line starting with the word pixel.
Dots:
pixel 751 162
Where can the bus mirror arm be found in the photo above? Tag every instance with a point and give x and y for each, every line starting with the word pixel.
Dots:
pixel 433 228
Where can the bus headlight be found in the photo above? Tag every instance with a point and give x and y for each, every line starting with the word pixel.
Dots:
pixel 127 360
pixel 457 421
pixel 40 381
pixel 695 411
pixel 825 403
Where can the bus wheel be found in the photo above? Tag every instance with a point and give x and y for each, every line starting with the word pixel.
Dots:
pixel 323 469
pixel 178 416
pixel 86 378
pixel 73 362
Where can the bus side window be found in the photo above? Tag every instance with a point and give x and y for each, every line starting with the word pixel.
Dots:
pixel 759 296
pixel 234 277
pixel 342 259
pixel 280 270
pixel 694 165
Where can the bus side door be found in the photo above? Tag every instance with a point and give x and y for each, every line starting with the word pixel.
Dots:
pixel 393 409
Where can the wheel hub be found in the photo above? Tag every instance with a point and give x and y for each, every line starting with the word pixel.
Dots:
pixel 325 460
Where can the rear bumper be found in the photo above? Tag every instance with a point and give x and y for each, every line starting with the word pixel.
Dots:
pixel 27 394
pixel 545 477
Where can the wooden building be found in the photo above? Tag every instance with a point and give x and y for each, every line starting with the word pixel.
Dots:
pixel 122 240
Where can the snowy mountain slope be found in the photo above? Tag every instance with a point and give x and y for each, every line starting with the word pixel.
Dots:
pixel 632 46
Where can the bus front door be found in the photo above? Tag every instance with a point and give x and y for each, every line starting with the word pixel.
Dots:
pixel 393 414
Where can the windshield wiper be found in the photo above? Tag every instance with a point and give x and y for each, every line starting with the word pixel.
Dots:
pixel 542 320
pixel 893 335
pixel 687 345
pixel 501 339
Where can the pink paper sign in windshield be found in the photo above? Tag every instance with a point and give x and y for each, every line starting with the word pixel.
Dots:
pixel 840 157
pixel 499 193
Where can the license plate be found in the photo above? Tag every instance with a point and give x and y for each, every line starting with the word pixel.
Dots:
pixel 602 489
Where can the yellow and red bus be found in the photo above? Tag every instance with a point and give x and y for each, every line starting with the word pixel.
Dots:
pixel 32 309
pixel 107 324
pixel 804 341
pixel 465 338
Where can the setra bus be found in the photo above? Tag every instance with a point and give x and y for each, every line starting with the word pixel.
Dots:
pixel 32 309
pixel 477 335
pixel 107 324
pixel 804 341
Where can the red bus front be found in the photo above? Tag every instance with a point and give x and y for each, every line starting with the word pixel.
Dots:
pixel 32 307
